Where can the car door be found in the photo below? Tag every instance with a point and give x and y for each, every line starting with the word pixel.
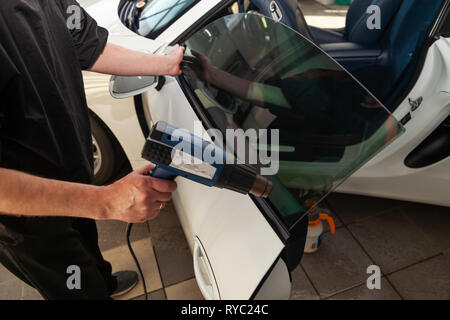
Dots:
pixel 328 126
pixel 121 118
pixel 416 167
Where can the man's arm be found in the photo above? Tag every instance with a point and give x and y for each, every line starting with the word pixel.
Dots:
pixel 135 198
pixel 124 62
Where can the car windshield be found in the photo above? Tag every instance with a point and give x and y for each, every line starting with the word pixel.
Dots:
pixel 157 15
pixel 250 72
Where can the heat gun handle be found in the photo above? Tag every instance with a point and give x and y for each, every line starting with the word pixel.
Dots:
pixel 161 173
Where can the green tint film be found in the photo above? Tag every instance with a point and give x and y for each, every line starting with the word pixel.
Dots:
pixel 249 71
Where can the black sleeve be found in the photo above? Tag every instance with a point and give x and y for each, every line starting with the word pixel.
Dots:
pixel 8 78
pixel 89 39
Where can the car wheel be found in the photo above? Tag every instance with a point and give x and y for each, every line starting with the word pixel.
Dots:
pixel 106 159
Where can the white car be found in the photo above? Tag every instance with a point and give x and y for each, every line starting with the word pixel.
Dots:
pixel 244 247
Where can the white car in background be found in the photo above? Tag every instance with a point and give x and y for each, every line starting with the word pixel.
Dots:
pixel 244 247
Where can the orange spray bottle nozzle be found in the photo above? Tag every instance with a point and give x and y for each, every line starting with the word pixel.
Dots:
pixel 330 220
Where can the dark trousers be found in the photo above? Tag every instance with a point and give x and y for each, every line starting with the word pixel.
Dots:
pixel 39 251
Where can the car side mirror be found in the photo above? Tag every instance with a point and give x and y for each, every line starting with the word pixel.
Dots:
pixel 124 87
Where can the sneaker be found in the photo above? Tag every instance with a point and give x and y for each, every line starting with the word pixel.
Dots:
pixel 126 280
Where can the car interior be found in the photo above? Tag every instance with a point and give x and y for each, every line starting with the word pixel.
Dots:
pixel 151 18
pixel 381 59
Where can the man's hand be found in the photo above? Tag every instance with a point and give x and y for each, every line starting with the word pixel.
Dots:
pixel 137 197
pixel 124 62
pixel 174 60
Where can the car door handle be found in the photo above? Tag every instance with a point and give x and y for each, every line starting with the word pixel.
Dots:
pixel 203 273
pixel 415 103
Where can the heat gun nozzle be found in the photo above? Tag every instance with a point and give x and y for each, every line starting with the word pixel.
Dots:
pixel 261 187
pixel 244 179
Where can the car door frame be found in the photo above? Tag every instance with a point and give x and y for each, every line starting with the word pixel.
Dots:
pixel 432 36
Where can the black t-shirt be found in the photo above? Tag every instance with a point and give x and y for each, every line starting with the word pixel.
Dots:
pixel 44 124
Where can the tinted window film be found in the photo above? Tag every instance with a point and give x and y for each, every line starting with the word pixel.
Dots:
pixel 250 72
pixel 158 15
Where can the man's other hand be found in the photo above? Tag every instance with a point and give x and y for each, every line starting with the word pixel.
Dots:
pixel 174 60
pixel 125 62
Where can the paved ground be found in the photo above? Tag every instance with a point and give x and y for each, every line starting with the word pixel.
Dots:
pixel 409 242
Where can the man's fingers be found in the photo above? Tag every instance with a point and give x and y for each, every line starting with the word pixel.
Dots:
pixel 179 52
pixel 152 209
pixel 160 197
pixel 153 214
pixel 163 185
pixel 155 210
pixel 145 170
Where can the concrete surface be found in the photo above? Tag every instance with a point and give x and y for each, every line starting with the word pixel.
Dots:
pixel 410 243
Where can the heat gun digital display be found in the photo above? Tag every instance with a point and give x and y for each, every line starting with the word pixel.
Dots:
pixel 176 152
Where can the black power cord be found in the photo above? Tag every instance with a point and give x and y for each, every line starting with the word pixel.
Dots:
pixel 129 227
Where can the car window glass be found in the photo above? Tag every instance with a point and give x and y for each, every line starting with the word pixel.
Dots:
pixel 157 15
pixel 249 72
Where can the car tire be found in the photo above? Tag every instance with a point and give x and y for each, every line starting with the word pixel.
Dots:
pixel 107 157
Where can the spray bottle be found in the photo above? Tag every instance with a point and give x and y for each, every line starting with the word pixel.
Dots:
pixel 315 226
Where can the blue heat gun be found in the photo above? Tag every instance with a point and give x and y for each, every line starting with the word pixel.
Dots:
pixel 176 152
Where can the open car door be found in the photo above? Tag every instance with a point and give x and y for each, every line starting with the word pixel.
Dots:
pixel 328 126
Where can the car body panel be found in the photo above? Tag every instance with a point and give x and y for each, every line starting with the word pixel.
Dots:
pixel 386 175
pixel 119 115
pixel 240 243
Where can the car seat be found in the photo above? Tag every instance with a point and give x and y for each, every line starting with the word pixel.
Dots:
pixel 381 59
pixel 356 29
